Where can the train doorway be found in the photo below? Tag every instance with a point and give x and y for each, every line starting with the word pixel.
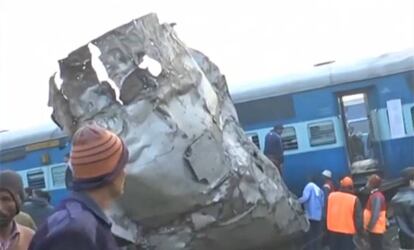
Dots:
pixel 358 130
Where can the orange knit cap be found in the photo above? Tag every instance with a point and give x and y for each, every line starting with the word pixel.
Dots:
pixel 95 152
pixel 347 182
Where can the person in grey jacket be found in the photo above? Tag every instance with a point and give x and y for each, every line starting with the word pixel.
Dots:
pixel 403 205
pixel 38 206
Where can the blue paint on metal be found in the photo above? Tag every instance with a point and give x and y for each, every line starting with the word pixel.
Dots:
pixel 398 154
pixel 299 167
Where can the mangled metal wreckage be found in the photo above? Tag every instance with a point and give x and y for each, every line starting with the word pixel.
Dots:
pixel 194 180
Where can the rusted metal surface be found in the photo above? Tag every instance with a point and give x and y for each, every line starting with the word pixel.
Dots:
pixel 194 181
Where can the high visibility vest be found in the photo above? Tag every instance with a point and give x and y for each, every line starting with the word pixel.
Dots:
pixel 381 224
pixel 340 213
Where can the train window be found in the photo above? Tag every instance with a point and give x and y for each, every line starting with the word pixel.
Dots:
pixel 321 133
pixel 266 110
pixel 289 139
pixel 58 175
pixel 12 155
pixel 255 139
pixel 36 179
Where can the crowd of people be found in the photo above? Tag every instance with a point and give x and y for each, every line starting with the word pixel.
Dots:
pixel 98 158
pixel 336 215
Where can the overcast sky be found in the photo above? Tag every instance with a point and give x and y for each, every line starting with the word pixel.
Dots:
pixel 249 40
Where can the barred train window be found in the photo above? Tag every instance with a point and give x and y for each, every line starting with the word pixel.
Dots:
pixel 289 139
pixel 321 133
pixel 58 175
pixel 36 179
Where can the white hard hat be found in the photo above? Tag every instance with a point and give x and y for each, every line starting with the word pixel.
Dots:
pixel 327 173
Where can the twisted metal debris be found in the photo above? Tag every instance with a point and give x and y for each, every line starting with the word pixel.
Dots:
pixel 194 181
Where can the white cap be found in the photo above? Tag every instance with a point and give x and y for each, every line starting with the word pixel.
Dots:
pixel 327 173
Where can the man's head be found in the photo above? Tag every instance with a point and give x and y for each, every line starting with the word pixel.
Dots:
pixel 40 194
pixel 278 128
pixel 408 174
pixel 347 183
pixel 327 174
pixel 28 191
pixel 374 181
pixel 11 195
pixel 98 159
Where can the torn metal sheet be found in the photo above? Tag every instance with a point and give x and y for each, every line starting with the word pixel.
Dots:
pixel 194 180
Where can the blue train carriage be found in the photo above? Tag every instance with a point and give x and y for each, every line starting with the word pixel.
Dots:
pixel 352 119
pixel 37 154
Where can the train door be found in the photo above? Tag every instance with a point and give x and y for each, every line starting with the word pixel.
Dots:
pixel 359 131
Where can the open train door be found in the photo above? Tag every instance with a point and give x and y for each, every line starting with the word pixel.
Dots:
pixel 360 129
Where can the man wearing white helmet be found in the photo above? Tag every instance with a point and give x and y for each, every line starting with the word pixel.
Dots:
pixel 328 187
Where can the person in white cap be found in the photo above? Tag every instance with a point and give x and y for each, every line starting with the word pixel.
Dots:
pixel 328 187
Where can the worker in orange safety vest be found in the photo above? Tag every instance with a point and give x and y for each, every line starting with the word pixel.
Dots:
pixel 344 216
pixel 375 220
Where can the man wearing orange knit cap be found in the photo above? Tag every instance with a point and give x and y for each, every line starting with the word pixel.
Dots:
pixel 344 216
pixel 98 159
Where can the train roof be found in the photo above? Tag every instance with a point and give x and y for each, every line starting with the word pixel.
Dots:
pixel 17 138
pixel 328 75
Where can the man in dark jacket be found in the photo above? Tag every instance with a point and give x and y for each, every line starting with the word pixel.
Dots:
pixel 274 146
pixel 98 158
pixel 403 204
pixel 38 206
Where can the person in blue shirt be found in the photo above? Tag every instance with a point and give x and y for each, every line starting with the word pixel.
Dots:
pixel 313 201
pixel 274 147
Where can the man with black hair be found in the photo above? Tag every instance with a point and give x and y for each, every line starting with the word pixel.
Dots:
pixel 273 148
pixel 38 207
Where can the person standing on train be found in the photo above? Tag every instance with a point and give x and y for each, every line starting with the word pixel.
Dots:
pixel 403 206
pixel 98 159
pixel 375 218
pixel 344 216
pixel 13 236
pixel 274 147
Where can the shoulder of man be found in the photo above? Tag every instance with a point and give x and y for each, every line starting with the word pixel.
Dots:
pixel 26 235
pixel 26 220
pixel 71 218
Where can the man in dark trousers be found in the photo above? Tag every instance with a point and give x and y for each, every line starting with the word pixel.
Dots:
pixel 274 147
pixel 344 216
pixel 375 218
pixel 403 205
pixel 98 159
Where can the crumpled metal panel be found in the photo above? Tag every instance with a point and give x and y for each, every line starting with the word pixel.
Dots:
pixel 194 180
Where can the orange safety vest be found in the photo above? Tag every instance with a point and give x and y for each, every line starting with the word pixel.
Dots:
pixel 381 224
pixel 340 213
